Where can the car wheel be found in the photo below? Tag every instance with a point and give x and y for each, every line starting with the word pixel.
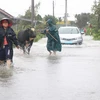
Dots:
pixel 80 43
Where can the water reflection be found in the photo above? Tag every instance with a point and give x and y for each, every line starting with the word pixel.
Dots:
pixel 5 77
pixel 54 59
pixel 5 72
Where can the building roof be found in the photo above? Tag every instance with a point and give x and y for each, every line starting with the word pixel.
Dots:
pixel 6 14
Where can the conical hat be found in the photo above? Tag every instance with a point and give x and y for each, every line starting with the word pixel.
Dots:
pixel 9 21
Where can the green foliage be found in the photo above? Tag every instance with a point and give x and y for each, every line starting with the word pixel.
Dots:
pixel 54 19
pixel 36 8
pixel 38 17
pixel 96 11
pixel 88 31
pixel 91 31
pixel 28 13
pixel 38 37
pixel 93 20
pixel 40 25
pixel 23 23
pixel 38 30
pixel 96 34
pixel 82 19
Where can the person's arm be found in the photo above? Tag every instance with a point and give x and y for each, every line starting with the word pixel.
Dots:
pixel 14 38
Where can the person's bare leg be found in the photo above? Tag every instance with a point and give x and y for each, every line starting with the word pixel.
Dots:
pixel 50 52
pixel 1 61
pixel 8 61
pixel 54 52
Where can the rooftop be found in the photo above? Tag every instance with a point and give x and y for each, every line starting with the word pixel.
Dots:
pixel 6 14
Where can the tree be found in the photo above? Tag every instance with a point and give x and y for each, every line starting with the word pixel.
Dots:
pixel 38 17
pixel 36 8
pixel 96 12
pixel 82 19
pixel 54 19
pixel 27 23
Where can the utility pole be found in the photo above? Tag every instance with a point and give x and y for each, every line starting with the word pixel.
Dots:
pixel 95 2
pixel 32 13
pixel 53 8
pixel 65 12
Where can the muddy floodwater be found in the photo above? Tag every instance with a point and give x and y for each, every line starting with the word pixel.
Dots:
pixel 73 74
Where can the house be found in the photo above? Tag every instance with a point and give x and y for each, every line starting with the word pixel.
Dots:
pixel 4 14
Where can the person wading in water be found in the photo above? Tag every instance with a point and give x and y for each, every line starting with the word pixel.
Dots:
pixel 7 38
pixel 53 41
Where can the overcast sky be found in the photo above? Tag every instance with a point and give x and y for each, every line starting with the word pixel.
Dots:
pixel 18 7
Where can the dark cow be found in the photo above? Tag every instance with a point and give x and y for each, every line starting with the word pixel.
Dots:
pixel 26 38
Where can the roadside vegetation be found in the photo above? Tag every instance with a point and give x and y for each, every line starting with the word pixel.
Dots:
pixel 88 21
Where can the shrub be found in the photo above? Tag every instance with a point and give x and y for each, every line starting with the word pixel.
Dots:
pixel 38 37
pixel 96 36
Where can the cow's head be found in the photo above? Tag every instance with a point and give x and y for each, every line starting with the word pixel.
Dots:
pixel 31 33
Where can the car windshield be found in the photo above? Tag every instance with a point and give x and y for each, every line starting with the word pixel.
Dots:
pixel 68 31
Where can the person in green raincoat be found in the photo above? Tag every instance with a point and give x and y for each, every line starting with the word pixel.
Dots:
pixel 53 41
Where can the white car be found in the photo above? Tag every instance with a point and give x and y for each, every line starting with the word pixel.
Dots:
pixel 70 35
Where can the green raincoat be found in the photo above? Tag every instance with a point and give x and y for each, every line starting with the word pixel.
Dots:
pixel 53 41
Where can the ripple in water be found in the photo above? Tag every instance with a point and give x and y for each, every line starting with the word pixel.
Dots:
pixel 5 72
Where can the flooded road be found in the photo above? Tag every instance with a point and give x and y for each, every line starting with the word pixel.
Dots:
pixel 73 74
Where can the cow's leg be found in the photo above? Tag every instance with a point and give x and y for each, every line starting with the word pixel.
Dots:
pixel 27 47
pixel 23 49
pixel 30 45
pixel 22 46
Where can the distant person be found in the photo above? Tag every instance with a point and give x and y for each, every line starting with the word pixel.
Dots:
pixel 53 42
pixel 7 38
pixel 85 31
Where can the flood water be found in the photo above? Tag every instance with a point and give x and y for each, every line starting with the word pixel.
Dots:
pixel 72 74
